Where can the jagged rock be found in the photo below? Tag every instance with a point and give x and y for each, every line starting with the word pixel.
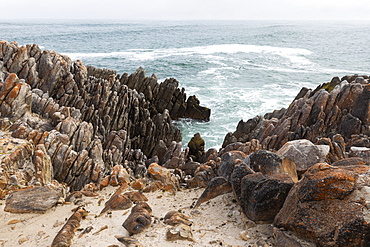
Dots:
pixel 247 148
pixel 337 148
pixel 196 147
pixel 129 242
pixel 174 156
pixel 66 234
pixel 33 200
pixel 262 196
pixel 139 218
pixel 304 153
pixel 174 218
pixel 331 109
pixel 329 206
pixel 103 117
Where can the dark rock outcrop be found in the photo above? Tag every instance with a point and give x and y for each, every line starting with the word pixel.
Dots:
pixel 262 196
pixel 338 108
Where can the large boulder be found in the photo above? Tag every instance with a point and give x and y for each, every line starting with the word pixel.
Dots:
pixel 304 153
pixel 262 196
pixel 329 206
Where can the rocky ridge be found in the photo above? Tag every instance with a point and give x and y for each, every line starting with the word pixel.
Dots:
pixel 72 130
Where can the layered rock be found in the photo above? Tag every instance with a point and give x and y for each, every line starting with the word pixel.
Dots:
pixel 88 119
pixel 164 95
pixel 339 107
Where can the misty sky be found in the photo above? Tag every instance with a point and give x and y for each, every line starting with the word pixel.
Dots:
pixel 187 9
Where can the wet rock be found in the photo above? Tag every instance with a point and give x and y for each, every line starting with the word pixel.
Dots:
pixel 66 234
pixel 33 200
pixel 304 153
pixel 262 196
pixel 329 206
pixel 179 232
pixel 139 218
pixel 174 218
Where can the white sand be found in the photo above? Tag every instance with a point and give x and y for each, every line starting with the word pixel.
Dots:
pixel 215 223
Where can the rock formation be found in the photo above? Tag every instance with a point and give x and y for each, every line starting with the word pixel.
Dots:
pixel 339 107
pixel 87 119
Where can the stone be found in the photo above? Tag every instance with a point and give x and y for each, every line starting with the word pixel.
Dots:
pixel 159 173
pixel 136 196
pixel 262 196
pixel 217 186
pixel 129 242
pixel 139 218
pixel 202 176
pixel 179 232
pixel 196 147
pixel 174 218
pixel 352 161
pixel 269 163
pixel 304 153
pixel 65 236
pixel 33 200
pixel 329 206
pixel 360 152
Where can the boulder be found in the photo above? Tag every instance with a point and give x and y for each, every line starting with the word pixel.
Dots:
pixel 33 200
pixel 262 196
pixel 196 147
pixel 269 163
pixel 304 153
pixel 329 206
pixel 139 218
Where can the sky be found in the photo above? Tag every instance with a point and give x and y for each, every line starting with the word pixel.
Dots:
pixel 187 9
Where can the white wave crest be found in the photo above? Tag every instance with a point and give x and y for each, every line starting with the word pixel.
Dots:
pixel 294 54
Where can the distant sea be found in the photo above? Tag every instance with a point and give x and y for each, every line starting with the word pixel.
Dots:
pixel 239 69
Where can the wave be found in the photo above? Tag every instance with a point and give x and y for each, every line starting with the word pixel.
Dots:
pixel 294 54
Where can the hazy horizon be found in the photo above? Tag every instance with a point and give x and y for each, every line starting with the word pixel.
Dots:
pixel 186 10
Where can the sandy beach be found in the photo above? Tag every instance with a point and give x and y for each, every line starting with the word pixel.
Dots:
pixel 218 222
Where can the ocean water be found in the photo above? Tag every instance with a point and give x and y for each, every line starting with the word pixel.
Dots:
pixel 239 69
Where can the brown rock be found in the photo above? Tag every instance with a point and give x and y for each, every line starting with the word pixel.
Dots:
pixel 329 206
pixel 33 200
pixel 66 234
pixel 136 196
pixel 139 218
pixel 174 218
